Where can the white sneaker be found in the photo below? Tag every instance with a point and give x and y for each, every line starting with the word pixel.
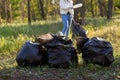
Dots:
pixel 65 38
pixel 60 33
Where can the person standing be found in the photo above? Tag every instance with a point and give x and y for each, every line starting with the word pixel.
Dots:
pixel 67 13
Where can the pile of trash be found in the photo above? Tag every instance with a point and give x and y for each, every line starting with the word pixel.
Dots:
pixel 48 49
pixel 54 51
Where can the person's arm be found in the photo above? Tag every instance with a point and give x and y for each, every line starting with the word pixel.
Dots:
pixel 63 5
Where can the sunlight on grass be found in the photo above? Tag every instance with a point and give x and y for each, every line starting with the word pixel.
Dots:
pixel 41 22
pixel 10 45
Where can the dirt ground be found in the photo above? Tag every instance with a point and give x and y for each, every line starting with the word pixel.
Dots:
pixel 48 74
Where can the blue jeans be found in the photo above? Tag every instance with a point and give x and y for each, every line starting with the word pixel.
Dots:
pixel 66 24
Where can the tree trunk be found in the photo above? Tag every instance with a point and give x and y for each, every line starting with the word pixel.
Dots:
pixel 109 12
pixel 22 10
pixel 41 9
pixel 10 12
pixel 82 12
pixel 100 8
pixel 29 15
pixel 6 11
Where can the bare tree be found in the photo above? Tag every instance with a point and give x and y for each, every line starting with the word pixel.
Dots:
pixel 109 12
pixel 22 10
pixel 29 16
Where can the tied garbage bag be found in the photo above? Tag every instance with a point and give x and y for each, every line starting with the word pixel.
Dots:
pixel 98 51
pixel 30 55
pixel 78 30
pixel 58 56
pixel 61 56
pixel 61 53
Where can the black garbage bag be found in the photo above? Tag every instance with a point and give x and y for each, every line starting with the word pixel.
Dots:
pixel 61 56
pixel 61 53
pixel 98 51
pixel 78 30
pixel 31 55
pixel 74 57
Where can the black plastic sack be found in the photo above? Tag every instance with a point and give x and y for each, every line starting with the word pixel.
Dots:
pixel 98 51
pixel 60 56
pixel 29 55
pixel 78 30
pixel 61 53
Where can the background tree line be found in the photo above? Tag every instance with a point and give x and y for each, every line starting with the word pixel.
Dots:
pixel 32 10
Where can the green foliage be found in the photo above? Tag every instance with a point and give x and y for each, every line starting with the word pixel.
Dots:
pixel 10 45
pixel 18 9
pixel 117 3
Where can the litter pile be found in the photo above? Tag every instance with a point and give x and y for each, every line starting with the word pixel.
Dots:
pixel 48 49
pixel 54 51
